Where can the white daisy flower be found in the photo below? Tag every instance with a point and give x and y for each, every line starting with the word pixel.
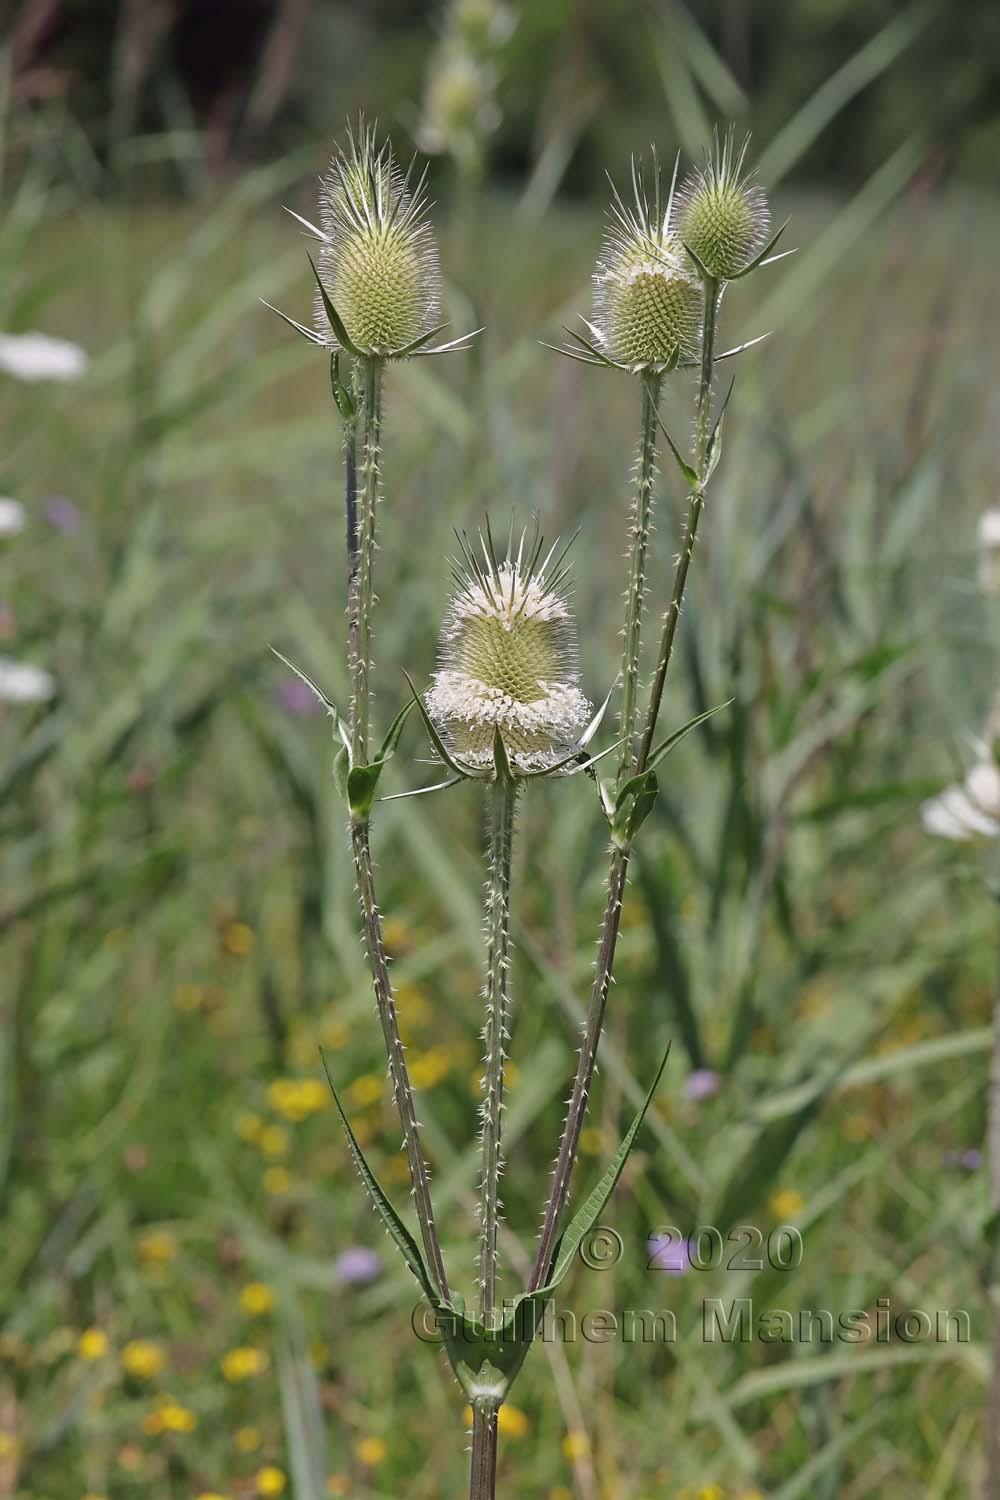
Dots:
pixel 22 683
pixel 37 356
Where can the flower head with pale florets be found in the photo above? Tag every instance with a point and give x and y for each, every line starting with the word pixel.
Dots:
pixel 508 662
pixel 647 304
pixel 722 215
pixel 378 260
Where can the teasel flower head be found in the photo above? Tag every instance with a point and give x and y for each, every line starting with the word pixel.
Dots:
pixel 377 262
pixel 508 666
pixel 647 303
pixel 722 215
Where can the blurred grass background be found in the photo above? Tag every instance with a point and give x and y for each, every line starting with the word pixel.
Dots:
pixel 177 922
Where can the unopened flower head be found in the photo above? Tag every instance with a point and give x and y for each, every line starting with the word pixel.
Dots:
pixel 378 260
pixel 647 304
pixel 722 214
pixel 508 661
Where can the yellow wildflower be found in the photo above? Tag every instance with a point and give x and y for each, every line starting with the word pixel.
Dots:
pixel 335 1034
pixel 169 1416
pixel 270 1480
pixel 189 997
pixel 575 1445
pixel 157 1249
pixel 242 1363
pixel 277 1180
pixel 787 1203
pixel 9 1445
pixel 256 1299
pixel 711 1492
pixel 427 1069
pixel 238 939
pixel 92 1345
pixel 512 1422
pixel 365 1090
pixel 274 1141
pixel 143 1359
pixel 246 1439
pixel 371 1452
pixel 297 1098
pixel 250 1128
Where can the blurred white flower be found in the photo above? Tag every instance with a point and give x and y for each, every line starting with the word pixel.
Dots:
pixel 21 683
pixel 37 356
pixel 11 516
pixel 969 811
pixel 989 551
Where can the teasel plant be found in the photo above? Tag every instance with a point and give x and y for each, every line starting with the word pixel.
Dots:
pixel 505 705
pixel 967 813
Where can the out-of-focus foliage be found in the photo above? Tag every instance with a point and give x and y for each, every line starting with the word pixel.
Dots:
pixel 251 73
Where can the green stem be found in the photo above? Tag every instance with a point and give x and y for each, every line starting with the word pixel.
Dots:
pixel 642 506
pixel 992 1483
pixel 618 873
pixel 696 504
pixel 369 480
pixel 362 500
pixel 402 1088
pixel 483 1470
pixel 496 994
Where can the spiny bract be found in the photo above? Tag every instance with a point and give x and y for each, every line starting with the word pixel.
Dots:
pixel 379 260
pixel 722 215
pixel 647 304
pixel 508 661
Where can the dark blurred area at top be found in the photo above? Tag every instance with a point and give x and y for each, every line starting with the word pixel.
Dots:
pixel 256 77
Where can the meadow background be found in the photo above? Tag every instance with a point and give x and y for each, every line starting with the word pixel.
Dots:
pixel 195 1298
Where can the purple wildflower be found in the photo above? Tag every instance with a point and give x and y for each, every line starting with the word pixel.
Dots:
pixel 357 1266
pixel 702 1084
pixel 668 1254
pixel 62 513
pixel 297 698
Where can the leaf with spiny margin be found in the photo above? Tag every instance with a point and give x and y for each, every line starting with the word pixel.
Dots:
pixel 397 1230
pixel 334 319
pixel 342 397
pixel 633 806
pixel 307 333
pixel 320 697
pixel 759 260
pixel 594 1204
pixel 433 736
pixel 689 474
pixel 715 441
pixel 673 740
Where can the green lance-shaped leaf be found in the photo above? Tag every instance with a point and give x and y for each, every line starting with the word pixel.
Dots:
pixel 596 1201
pixel 334 319
pixel 690 475
pixel 673 740
pixel 438 743
pixel 362 781
pixel 491 1358
pixel 341 395
pixel 318 693
pixel 633 806
pixel 397 1230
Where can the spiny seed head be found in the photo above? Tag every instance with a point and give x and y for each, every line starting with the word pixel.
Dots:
pixel 379 260
pixel 508 660
pixel 722 214
pixel 647 304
